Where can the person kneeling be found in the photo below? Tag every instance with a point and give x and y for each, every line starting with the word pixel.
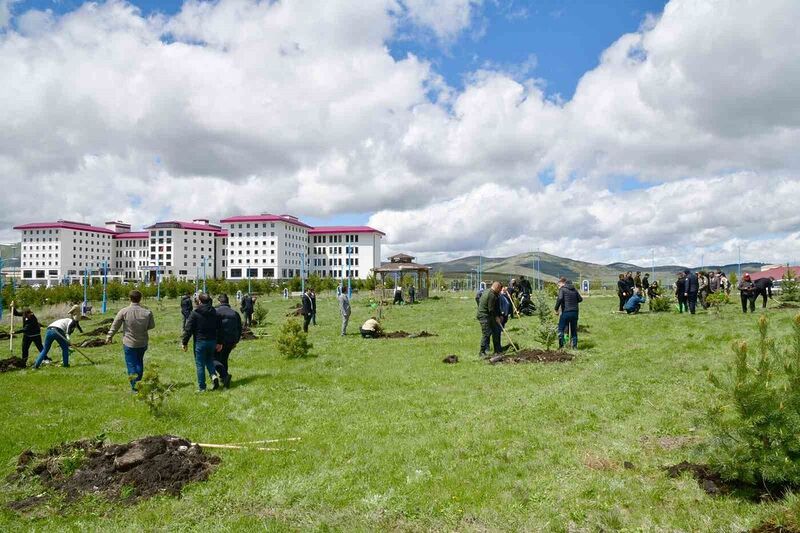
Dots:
pixel 371 329
pixel 634 303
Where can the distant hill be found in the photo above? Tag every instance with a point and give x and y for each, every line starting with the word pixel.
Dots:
pixel 553 267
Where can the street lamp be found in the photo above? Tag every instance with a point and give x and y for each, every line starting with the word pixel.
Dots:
pixel 105 286
pixel 349 271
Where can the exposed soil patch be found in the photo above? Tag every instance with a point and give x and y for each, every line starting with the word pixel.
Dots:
pixel 771 527
pixel 406 335
pixel 788 305
pixel 583 328
pixel 4 335
pixel 120 472
pixel 669 443
pixel 248 335
pixel 450 359
pixel 94 332
pixel 92 343
pixel 12 363
pixel 533 356
pixel 712 483
pixel 105 322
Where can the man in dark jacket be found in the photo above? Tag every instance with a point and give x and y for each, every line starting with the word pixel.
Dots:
pixel 313 307
pixel 747 292
pixel 690 288
pixel 205 326
pixel 31 331
pixel 567 301
pixel 308 309
pixel 247 308
pixel 525 286
pixel 231 324
pixel 186 308
pixel 412 294
pixel 763 288
pixel 489 318
pixel 622 291
pixel 680 286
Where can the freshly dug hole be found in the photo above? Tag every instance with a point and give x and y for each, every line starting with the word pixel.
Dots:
pixel 120 472
pixel 12 363
pixel 406 335
pixel 92 343
pixel 532 356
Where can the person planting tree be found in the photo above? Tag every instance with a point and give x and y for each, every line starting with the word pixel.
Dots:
pixel 567 301
pixel 31 331
pixel 489 319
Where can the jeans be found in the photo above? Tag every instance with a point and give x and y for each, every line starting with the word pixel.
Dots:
pixel 49 337
pixel 568 319
pixel 204 360
pixel 26 345
pixel 490 328
pixel 221 359
pixel 134 361
pixel 345 320
pixel 692 301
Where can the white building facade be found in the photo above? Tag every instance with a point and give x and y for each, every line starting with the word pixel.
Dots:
pixel 262 246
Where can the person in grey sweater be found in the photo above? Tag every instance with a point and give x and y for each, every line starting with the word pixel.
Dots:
pixel 136 322
pixel 344 309
pixel 567 303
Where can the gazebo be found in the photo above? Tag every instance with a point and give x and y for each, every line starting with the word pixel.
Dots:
pixel 401 264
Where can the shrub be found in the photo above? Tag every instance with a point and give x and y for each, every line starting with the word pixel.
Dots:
pixel 259 313
pixel 717 300
pixel 661 304
pixel 790 287
pixel 756 419
pixel 151 390
pixel 292 341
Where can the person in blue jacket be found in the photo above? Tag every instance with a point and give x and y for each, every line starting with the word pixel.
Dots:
pixel 634 303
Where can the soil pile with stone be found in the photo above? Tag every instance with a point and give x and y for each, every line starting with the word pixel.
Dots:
pixel 248 335
pixel 713 483
pixel 94 342
pixel 532 356
pixel 12 363
pixel 142 468
pixel 95 332
pixel 406 335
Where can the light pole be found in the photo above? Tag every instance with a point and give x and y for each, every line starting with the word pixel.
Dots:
pixel 204 273
pixel 105 286
pixel 739 275
pixel 480 269
pixel 196 277
pixel 249 287
pixel 302 272
pixel 85 287
pixel 349 271
pixel 158 282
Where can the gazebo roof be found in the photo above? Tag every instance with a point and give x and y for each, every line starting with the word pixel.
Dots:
pixel 398 267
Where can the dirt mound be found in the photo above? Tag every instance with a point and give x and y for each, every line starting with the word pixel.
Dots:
pixel 450 359
pixel 12 363
pixel 406 335
pixel 123 472
pixel 107 321
pixel 771 527
pixel 533 356
pixel 711 482
pixel 92 343
pixel 248 335
pixel 94 332
pixel 4 335
pixel 788 305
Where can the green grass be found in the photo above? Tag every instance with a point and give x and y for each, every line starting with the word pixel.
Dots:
pixel 392 438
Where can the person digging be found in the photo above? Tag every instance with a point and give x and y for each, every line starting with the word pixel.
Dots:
pixel 371 329
pixel 136 321
pixel 489 319
pixel 31 332
pixel 58 332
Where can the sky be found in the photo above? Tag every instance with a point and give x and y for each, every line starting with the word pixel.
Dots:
pixel 602 131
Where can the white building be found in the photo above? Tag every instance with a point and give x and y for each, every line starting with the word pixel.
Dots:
pixel 183 250
pixel 344 251
pixel 63 250
pixel 266 246
pixel 257 246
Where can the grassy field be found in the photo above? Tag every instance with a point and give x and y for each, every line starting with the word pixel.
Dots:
pixel 392 438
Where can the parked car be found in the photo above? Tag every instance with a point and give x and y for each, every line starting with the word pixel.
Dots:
pixel 777 286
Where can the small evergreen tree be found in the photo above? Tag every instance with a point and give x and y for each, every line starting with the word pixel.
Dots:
pixel 151 390
pixel 292 341
pixel 790 287
pixel 548 329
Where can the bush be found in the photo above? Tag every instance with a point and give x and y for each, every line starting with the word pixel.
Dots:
pixel 259 313
pixel 717 300
pixel 292 341
pixel 151 390
pixel 756 419
pixel 661 304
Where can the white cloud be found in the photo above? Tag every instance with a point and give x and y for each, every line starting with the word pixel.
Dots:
pixel 299 106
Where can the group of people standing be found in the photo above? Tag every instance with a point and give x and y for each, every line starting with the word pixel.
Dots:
pixel 633 291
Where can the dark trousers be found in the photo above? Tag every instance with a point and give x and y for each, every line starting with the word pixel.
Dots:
pixel 26 345
pixel 763 294
pixel 490 329
pixel 306 322
pixel 221 360
pixel 248 319
pixel 682 303
pixel 748 299
pixel 621 300
pixel 367 334
pixel 568 319
pixel 185 318
pixel 691 301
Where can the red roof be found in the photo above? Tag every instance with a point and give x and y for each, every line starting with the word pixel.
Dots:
pixel 265 217
pixel 776 273
pixel 343 229
pixel 65 224
pixel 132 235
pixel 222 233
pixel 185 225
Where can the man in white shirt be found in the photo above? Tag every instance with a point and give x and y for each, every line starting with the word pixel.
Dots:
pixel 59 331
